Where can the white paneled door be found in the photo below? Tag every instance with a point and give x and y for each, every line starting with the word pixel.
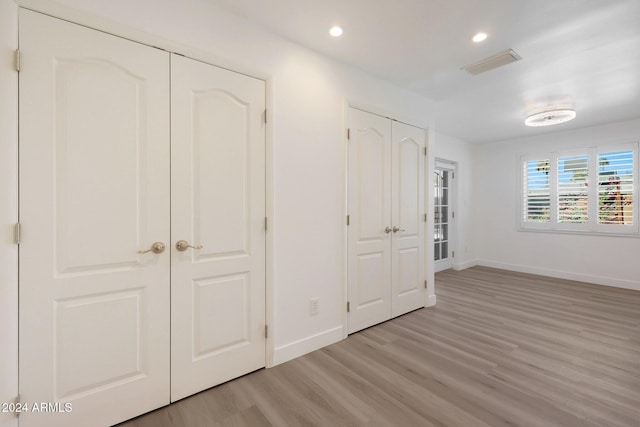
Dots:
pixel 94 191
pixel 217 216
pixel 142 204
pixel 386 219
pixel 369 231
pixel 407 205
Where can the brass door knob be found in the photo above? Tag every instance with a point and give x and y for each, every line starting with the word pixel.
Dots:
pixel 183 245
pixel 156 248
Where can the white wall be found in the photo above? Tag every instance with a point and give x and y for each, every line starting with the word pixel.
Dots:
pixel 8 212
pixel 460 152
pixel 307 95
pixel 604 260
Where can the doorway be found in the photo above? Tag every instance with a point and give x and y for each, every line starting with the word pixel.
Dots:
pixel 444 214
pixel 142 274
pixel 386 227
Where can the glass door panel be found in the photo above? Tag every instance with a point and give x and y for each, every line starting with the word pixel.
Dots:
pixel 441 214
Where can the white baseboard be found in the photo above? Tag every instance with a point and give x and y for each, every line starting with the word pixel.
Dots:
pixel 465 265
pixel 10 423
pixel 431 300
pixel 588 278
pixel 307 345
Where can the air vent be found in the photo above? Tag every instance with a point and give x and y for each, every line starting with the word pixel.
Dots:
pixel 495 61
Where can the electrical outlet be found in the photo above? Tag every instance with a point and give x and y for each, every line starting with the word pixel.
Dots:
pixel 314 306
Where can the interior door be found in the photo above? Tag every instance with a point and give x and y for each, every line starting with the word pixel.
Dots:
pixel 407 200
pixel 443 211
pixel 369 231
pixel 218 211
pixel 94 191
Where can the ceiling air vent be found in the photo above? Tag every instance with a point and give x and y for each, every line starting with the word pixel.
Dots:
pixel 495 61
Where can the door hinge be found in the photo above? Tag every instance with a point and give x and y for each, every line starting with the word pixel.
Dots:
pixel 453 175
pixel 425 284
pixel 425 151
pixel 348 133
pixel 18 405
pixel 17 231
pixel 453 254
pixel 425 217
pixel 348 219
pixel 266 226
pixel 265 116
pixel 266 331
pixel 348 307
pixel 453 214
pixel 16 59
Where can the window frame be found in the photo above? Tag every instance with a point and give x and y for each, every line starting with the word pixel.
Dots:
pixel 592 226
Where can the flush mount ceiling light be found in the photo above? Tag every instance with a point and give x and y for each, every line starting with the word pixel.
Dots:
pixel 335 31
pixel 480 37
pixel 551 117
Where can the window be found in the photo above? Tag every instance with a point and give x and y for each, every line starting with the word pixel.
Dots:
pixel 573 189
pixel 537 193
pixel 587 190
pixel 615 187
pixel 441 214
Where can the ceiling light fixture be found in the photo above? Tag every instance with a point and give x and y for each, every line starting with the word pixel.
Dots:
pixel 480 37
pixel 335 31
pixel 551 117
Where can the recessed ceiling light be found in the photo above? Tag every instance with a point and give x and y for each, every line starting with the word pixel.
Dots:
pixel 335 31
pixel 551 117
pixel 480 37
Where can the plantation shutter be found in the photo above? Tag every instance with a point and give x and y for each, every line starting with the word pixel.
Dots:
pixel 615 187
pixel 573 189
pixel 537 191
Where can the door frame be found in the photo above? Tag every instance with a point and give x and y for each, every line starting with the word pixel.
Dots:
pixel 8 211
pixel 9 37
pixel 429 162
pixel 449 166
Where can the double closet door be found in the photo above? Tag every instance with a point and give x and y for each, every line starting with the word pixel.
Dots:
pixel 142 253
pixel 386 232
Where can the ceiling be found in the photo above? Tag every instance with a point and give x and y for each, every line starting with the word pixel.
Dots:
pixel 582 54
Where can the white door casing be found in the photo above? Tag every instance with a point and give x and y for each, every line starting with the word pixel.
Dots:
pixel 94 145
pixel 8 214
pixel 218 206
pixel 369 207
pixel 407 259
pixel 443 218
pixel 386 229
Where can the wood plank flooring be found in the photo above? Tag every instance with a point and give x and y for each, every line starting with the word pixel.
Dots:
pixel 499 349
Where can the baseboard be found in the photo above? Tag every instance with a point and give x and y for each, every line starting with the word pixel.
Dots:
pixel 588 278
pixel 431 300
pixel 465 265
pixel 307 345
pixel 10 423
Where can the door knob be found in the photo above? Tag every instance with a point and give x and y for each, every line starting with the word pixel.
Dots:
pixel 387 230
pixel 183 245
pixel 396 229
pixel 156 248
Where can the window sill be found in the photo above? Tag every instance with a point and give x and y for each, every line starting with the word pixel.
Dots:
pixel 634 234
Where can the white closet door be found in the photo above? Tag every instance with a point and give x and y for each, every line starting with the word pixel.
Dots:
pixel 369 205
pixel 94 190
pixel 218 208
pixel 407 252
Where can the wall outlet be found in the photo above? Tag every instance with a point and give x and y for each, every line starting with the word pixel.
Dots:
pixel 314 306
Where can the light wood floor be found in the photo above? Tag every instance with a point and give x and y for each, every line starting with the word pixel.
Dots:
pixel 499 349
